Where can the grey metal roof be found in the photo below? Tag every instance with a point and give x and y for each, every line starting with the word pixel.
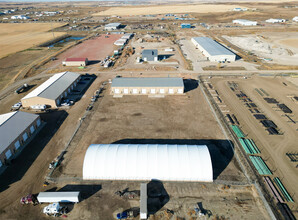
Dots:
pixel 14 127
pixel 212 47
pixel 149 52
pixel 147 82
pixel 113 25
pixel 57 88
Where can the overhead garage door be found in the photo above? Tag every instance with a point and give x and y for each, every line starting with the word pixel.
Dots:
pixel 58 101
pixel 125 91
pixel 117 91
pixel 162 91
pixel 71 87
pixel 171 91
pixel 152 91
pixel 1 163
pixel 8 154
pixel 180 91
pixel 38 122
pixel 65 94
pixel 32 129
pixel 25 136
pixel 135 91
pixel 144 91
pixel 17 144
pixel 68 90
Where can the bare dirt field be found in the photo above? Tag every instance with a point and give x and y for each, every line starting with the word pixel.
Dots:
pixel 164 9
pixel 20 36
pixel 273 147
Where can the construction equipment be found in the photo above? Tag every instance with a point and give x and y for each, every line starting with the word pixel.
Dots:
pixel 29 199
pixel 127 194
pixel 55 210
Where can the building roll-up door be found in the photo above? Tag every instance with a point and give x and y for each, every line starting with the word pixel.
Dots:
pixel 1 163
pixel 171 91
pixel 8 154
pixel 162 91
pixel 152 91
pixel 135 91
pixel 180 91
pixel 71 87
pixel 58 101
pixel 68 90
pixel 32 129
pixel 65 94
pixel 117 91
pixel 25 136
pixel 144 91
pixel 17 145
pixel 125 91
pixel 38 122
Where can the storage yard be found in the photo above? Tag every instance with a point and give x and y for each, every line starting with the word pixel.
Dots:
pixel 149 111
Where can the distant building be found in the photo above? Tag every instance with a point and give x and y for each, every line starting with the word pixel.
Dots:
pixel 147 86
pixel 275 20
pixel 50 13
pixel 16 128
pixel 295 19
pixel 245 22
pixel 20 17
pixel 76 62
pixel 112 26
pixel 150 55
pixel 240 9
pixel 120 42
pixel 185 25
pixel 212 50
pixel 52 91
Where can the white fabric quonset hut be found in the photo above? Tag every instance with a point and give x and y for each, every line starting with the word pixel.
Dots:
pixel 147 162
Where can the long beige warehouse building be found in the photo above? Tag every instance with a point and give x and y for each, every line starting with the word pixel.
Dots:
pixel 52 91
pixel 16 131
pixel 147 86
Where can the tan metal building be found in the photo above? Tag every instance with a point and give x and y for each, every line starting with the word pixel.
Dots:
pixel 147 86
pixel 75 62
pixel 16 131
pixel 52 91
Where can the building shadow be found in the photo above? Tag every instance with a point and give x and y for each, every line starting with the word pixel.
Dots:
pixel 164 56
pixel 86 191
pixel 221 152
pixel 93 62
pixel 20 165
pixel 157 196
pixel 81 88
pixel 190 84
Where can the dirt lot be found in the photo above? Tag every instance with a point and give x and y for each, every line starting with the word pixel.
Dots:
pixel 273 147
pixel 17 37
pixel 94 49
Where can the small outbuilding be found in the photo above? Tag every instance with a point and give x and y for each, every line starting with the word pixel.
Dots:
pixel 150 55
pixel 52 91
pixel 76 62
pixel 213 50
pixel 16 130
pixel 148 161
pixel 185 25
pixel 112 26
pixel 147 86
pixel 295 19
pixel 276 20
pixel 245 22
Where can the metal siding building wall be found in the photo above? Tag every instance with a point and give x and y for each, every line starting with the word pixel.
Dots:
pixel 147 162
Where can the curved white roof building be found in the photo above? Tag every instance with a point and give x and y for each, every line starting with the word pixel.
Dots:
pixel 147 162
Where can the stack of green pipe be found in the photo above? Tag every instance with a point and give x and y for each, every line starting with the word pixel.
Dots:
pixel 283 190
pixel 238 131
pixel 260 165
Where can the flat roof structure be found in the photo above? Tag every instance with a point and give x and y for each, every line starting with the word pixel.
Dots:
pixel 147 162
pixel 212 47
pixel 150 55
pixel 75 59
pixel 112 25
pixel 148 82
pixel 54 86
pixel 12 125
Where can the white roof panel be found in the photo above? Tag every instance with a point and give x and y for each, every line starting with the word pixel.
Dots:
pixel 147 162
pixel 212 47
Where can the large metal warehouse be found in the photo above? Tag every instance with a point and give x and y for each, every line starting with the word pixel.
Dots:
pixel 16 128
pixel 52 91
pixel 212 50
pixel 147 162
pixel 147 86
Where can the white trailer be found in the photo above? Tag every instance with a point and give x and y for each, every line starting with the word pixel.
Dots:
pixel 63 197
pixel 143 201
